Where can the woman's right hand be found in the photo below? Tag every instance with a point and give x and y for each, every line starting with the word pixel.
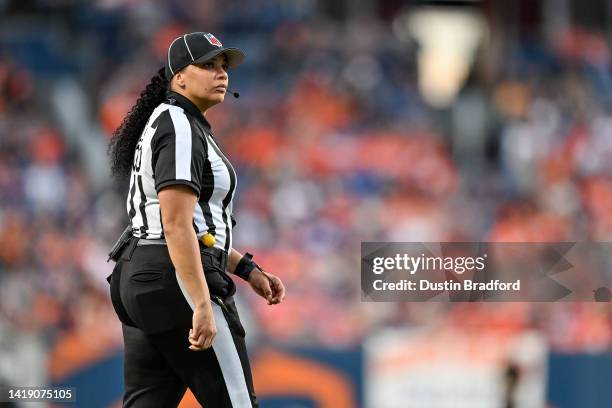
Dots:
pixel 176 204
pixel 204 328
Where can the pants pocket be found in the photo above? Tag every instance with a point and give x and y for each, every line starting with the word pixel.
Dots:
pixel 151 293
pixel 147 276
pixel 154 314
pixel 150 299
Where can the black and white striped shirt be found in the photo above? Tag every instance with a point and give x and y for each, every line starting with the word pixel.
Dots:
pixel 177 147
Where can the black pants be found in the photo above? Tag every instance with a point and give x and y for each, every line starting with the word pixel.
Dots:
pixel 157 314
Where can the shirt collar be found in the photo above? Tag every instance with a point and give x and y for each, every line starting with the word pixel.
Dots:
pixel 182 101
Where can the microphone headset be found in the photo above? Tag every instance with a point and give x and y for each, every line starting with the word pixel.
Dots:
pixel 234 94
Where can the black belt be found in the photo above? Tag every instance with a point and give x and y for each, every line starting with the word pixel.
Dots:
pixel 218 254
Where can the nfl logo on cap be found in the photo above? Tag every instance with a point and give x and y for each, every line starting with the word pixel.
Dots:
pixel 213 40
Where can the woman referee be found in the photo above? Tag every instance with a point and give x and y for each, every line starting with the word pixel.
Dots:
pixel 170 288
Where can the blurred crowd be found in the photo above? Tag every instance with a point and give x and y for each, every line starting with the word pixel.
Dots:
pixel 333 146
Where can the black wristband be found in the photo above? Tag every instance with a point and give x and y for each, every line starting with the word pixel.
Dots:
pixel 245 266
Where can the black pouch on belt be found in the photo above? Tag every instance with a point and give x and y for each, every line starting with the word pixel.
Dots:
pixel 120 244
pixel 219 283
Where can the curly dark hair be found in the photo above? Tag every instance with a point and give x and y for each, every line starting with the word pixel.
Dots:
pixel 125 137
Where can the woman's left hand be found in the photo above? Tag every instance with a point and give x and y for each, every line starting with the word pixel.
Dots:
pixel 267 286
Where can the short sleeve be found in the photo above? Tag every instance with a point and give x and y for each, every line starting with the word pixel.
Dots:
pixel 178 154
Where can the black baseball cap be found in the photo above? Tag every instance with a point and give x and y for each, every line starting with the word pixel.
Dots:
pixel 198 47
